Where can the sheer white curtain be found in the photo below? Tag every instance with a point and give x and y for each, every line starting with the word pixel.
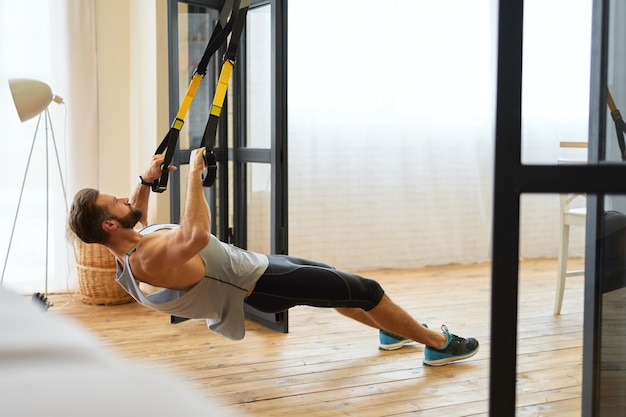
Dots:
pixel 54 42
pixel 555 108
pixel 391 112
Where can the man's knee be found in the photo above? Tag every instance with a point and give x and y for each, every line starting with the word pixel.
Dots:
pixel 373 292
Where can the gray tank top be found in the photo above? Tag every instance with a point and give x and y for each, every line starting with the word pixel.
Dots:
pixel 230 272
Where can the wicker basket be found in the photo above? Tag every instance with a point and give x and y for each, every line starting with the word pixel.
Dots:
pixel 96 276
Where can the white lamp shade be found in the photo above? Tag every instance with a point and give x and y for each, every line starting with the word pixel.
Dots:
pixel 31 97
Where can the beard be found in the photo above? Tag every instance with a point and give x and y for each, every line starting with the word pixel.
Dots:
pixel 131 219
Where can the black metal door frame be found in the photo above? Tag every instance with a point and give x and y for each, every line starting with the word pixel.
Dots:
pixel 240 154
pixel 512 178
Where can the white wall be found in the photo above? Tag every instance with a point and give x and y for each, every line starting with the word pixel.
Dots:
pixel 133 93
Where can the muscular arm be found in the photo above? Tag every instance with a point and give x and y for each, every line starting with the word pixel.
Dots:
pixel 141 196
pixel 195 223
pixel 168 257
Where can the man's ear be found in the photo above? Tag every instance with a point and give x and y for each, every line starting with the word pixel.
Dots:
pixel 109 225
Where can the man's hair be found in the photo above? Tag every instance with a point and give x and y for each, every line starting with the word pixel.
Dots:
pixel 86 217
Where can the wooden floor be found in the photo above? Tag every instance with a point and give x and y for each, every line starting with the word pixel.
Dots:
pixel 328 365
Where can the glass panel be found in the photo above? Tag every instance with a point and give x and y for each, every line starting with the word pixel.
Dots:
pixel 613 354
pixel 195 26
pixel 612 241
pixel 549 347
pixel 616 80
pixel 556 70
pixel 258 75
pixel 612 268
pixel 259 207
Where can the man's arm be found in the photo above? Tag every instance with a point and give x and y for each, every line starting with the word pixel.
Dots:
pixel 162 252
pixel 195 222
pixel 141 196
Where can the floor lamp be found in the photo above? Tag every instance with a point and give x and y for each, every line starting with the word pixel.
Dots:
pixel 32 98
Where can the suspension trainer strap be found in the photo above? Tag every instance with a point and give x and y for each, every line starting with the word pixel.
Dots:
pixel 210 132
pixel 620 125
pixel 218 37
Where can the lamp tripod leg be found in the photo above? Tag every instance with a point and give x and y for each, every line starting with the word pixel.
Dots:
pixel 47 204
pixel 51 137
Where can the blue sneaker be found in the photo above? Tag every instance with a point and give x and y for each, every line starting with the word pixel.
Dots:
pixel 456 349
pixel 390 341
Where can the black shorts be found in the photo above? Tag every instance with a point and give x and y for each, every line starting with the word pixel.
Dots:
pixel 290 281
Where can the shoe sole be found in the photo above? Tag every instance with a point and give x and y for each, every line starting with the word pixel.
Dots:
pixel 394 346
pixel 445 361
pixel 397 345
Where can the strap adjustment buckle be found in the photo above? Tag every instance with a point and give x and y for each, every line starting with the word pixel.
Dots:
pixel 210 171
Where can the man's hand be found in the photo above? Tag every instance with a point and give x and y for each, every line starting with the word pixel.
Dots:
pixel 196 161
pixel 154 171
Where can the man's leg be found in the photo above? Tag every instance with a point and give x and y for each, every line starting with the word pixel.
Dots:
pixel 441 348
pixel 390 317
pixel 289 282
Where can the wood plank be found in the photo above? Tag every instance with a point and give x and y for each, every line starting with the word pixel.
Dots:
pixel 569 144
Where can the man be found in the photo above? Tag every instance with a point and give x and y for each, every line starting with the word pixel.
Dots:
pixel 203 277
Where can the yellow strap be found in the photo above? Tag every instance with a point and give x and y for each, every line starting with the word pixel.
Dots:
pixel 610 101
pixel 222 86
pixel 184 107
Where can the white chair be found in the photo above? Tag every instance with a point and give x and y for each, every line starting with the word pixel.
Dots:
pixel 568 216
